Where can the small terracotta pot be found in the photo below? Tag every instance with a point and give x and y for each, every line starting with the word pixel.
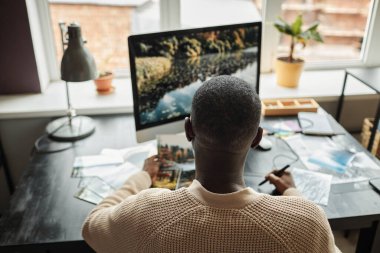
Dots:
pixel 288 73
pixel 104 83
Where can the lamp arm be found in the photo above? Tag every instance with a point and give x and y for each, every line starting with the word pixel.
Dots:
pixel 70 110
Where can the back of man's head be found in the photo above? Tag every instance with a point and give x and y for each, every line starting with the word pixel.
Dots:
pixel 226 113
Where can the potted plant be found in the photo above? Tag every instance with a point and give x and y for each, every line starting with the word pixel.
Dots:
pixel 288 69
pixel 104 81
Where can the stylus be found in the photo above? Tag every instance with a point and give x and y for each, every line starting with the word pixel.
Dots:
pixel 277 173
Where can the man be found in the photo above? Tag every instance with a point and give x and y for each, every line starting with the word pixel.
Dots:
pixel 217 213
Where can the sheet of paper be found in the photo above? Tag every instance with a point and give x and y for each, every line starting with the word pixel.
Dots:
pixel 332 158
pixel 313 185
pixel 88 195
pixel 97 185
pixel 118 176
pixel 362 160
pixel 97 160
pixel 306 145
pixel 276 126
pixel 321 154
pixel 135 155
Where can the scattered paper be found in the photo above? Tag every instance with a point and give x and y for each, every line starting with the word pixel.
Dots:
pixel 94 190
pixel 332 158
pixel 314 186
pixel 97 185
pixel 135 155
pixel 321 154
pixel 279 126
pixel 88 196
pixel 362 160
pixel 102 174
pixel 121 174
pixel 97 160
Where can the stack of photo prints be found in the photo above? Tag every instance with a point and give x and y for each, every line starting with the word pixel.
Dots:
pixel 177 167
pixel 100 175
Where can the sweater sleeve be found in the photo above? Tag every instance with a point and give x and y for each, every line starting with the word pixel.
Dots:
pixel 100 228
pixel 136 183
pixel 312 232
pixel 292 192
pixel 328 238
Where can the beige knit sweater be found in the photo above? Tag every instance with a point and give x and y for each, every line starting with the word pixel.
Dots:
pixel 139 219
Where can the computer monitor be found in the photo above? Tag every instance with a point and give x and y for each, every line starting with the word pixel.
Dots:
pixel 168 67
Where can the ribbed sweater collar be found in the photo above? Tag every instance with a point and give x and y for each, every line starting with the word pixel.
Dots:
pixel 237 199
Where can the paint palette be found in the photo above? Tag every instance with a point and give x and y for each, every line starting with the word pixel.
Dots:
pixel 288 106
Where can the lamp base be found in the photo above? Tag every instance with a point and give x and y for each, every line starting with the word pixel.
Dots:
pixel 61 129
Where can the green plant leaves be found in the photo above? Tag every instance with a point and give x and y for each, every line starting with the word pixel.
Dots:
pixel 295 30
pixel 283 27
pixel 312 33
pixel 297 25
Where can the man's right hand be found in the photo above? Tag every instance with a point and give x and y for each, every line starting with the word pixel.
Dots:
pixel 282 183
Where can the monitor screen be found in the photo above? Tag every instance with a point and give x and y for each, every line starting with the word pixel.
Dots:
pixel 168 67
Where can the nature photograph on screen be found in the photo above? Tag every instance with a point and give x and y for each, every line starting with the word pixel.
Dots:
pixel 169 69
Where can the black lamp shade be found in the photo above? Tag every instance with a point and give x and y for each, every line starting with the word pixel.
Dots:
pixel 77 64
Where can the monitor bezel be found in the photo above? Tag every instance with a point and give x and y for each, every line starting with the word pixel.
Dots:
pixel 133 38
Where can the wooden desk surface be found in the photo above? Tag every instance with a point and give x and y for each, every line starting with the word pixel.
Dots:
pixel 43 213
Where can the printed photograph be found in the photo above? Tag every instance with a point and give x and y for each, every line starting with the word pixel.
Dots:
pixel 186 178
pixel 169 70
pixel 167 177
pixel 174 147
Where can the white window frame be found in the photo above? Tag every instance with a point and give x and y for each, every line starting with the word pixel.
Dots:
pixel 43 41
pixel 170 18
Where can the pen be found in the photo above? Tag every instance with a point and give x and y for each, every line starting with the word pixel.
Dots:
pixel 278 173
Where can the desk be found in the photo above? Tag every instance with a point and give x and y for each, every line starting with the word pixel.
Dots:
pixel 371 78
pixel 45 217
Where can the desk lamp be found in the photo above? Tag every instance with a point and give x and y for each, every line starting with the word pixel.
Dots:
pixel 77 65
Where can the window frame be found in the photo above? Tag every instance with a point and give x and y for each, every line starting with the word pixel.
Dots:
pixel 170 17
pixel 43 21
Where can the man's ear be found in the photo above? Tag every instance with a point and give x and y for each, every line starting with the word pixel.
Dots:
pixel 258 138
pixel 189 129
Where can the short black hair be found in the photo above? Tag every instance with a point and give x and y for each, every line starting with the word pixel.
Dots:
pixel 226 111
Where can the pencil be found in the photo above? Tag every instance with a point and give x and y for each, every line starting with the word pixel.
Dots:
pixel 277 173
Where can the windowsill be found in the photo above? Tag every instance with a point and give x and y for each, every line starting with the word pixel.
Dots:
pixel 84 98
pixel 321 84
pixel 52 103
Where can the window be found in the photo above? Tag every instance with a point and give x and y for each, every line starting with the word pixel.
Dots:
pixel 348 27
pixel 105 24
pixel 217 12
pixel 343 25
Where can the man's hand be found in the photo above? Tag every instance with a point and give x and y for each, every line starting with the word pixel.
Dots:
pixel 281 182
pixel 151 165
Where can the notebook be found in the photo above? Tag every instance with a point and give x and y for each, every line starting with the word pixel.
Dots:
pixel 315 123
